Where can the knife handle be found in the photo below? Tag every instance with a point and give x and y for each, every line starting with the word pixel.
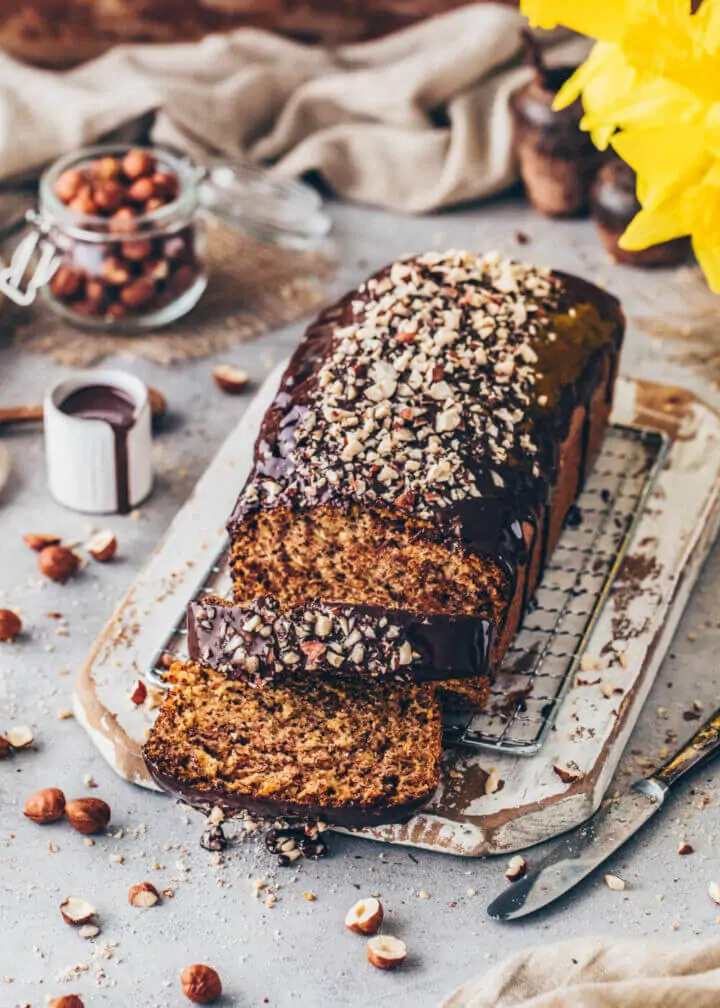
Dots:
pixel 704 744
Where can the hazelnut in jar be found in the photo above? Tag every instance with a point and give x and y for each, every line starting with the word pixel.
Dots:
pixel 128 226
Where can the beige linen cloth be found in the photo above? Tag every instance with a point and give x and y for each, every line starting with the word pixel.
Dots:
pixel 413 122
pixel 600 973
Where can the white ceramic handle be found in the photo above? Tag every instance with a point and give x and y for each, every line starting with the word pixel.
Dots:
pixel 80 453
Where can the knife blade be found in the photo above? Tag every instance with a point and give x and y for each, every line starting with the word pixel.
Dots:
pixel 585 849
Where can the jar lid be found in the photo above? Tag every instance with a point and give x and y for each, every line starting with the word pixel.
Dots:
pixel 249 198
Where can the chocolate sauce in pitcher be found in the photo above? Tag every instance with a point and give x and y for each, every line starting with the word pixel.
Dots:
pixel 116 408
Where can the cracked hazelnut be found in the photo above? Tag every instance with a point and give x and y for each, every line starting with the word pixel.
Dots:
pixel 200 984
pixel 76 910
pixel 144 894
pixel 365 916
pixel 568 775
pixel 20 737
pixel 516 868
pixel 38 541
pixel 613 882
pixel 230 379
pixel 102 547
pixel 88 815
pixel 57 563
pixel 386 952
pixel 67 1001
pixel 45 806
pixel 138 162
pixel 10 625
pixel 714 892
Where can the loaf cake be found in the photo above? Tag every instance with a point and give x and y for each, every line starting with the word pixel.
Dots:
pixel 257 641
pixel 303 747
pixel 428 438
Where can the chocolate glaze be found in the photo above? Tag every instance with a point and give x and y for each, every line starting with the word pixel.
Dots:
pixel 113 407
pixel 448 647
pixel 590 326
pixel 355 816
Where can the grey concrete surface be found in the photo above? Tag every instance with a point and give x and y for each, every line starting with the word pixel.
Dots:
pixel 297 953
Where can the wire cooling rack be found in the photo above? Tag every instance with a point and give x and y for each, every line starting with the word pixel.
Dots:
pixel 545 655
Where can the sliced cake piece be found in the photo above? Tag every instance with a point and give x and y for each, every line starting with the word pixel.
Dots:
pixel 258 640
pixel 303 746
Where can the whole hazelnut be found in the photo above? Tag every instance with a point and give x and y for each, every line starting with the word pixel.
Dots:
pixel 165 185
pixel 66 281
pixel 138 162
pixel 10 625
pixel 5 747
pixel 82 202
pixel 123 221
pixel 88 815
pixel 106 168
pixel 45 806
pixel 136 251
pixel 137 293
pixel 68 184
pixel 141 190
pixel 57 563
pixel 67 1001
pixel 108 195
pixel 200 984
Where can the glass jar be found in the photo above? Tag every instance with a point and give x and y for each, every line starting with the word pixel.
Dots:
pixel 118 243
pixel 127 264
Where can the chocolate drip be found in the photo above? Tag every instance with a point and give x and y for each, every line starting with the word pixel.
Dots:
pixel 116 408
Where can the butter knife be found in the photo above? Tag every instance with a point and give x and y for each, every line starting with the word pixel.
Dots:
pixel 617 819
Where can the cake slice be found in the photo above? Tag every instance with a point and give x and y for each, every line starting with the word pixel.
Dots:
pixel 302 747
pixel 259 640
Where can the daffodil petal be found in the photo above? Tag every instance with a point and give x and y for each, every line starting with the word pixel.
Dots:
pixel 709 259
pixel 599 20
pixel 650 227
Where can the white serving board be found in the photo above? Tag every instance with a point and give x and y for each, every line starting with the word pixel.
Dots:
pixel 531 803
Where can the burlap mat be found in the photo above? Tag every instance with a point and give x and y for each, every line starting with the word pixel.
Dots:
pixel 254 287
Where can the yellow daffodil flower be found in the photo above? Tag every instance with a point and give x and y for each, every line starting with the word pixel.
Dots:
pixel 651 89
